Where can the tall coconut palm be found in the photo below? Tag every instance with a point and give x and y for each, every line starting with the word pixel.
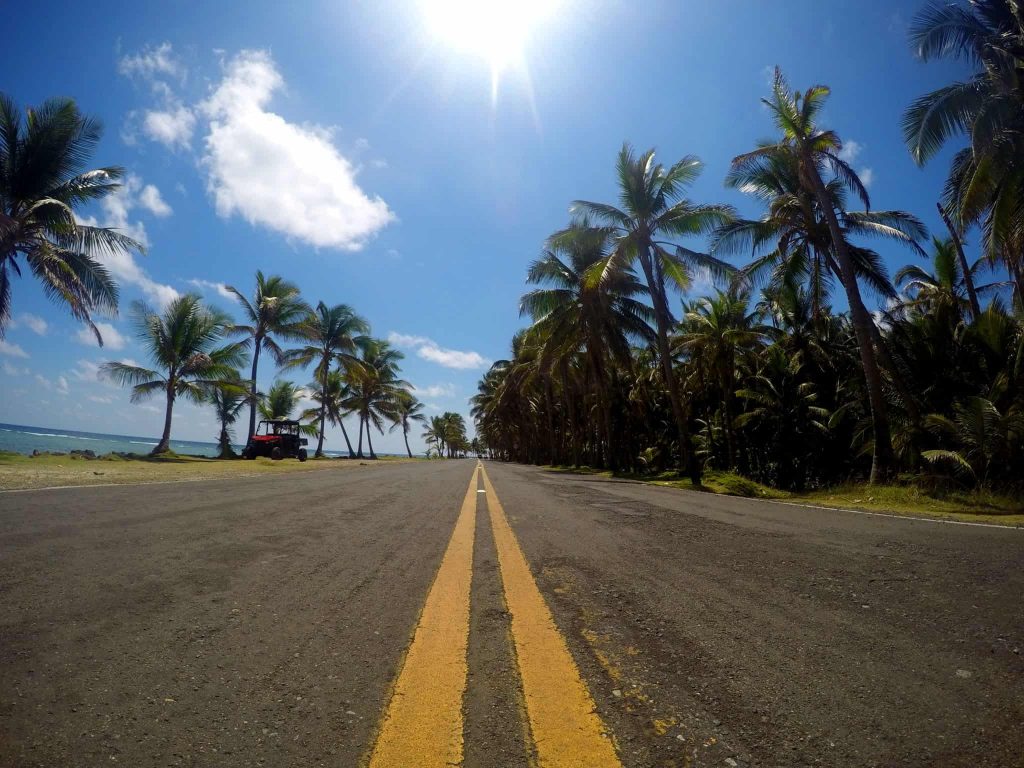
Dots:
pixel 944 289
pixel 407 409
pixel 183 342
pixel 574 312
pixel 986 181
pixel 332 399
pixel 816 151
pixel 43 180
pixel 651 217
pixel 374 388
pixel 331 335
pixel 273 313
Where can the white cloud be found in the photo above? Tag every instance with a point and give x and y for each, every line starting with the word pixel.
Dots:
pixel 867 176
pixel 11 349
pixel 287 177
pixel 86 370
pixel 209 285
pixel 436 390
pixel 172 126
pixel 850 150
pixel 428 349
pixel 62 385
pixel 117 208
pixel 112 338
pixel 34 323
pixel 13 370
pixel 151 63
pixel 150 199
pixel 103 399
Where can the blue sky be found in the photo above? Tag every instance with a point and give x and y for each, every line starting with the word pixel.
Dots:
pixel 354 149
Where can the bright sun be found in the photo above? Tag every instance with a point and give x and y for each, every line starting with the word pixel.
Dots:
pixel 495 30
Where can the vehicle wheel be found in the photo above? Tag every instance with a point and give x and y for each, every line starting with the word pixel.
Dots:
pixel 302 454
pixel 276 454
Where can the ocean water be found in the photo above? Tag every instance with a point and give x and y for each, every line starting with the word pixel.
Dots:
pixel 23 439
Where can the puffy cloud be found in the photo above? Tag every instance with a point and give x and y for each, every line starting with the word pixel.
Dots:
pixel 436 390
pixel 151 63
pixel 11 349
pixel 62 385
pixel 428 349
pixel 210 285
pixel 286 177
pixel 150 199
pixel 867 176
pixel 13 370
pixel 112 338
pixel 34 323
pixel 172 126
pixel 850 150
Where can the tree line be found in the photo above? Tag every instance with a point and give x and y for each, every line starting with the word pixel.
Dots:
pixel 763 377
pixel 197 351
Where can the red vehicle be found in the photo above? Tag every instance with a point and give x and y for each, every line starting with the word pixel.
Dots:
pixel 277 439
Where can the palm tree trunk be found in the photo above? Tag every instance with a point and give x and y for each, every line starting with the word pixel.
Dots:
pixel 972 294
pixel 687 459
pixel 323 421
pixel 550 417
pixel 359 455
pixel 165 440
pixel 369 440
pixel 344 433
pixel 405 433
pixel 882 458
pixel 257 345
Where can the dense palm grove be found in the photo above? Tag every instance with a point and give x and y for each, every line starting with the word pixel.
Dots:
pixel 763 377
pixel 197 352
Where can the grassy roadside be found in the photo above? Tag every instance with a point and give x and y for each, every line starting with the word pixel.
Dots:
pixel 903 499
pixel 20 472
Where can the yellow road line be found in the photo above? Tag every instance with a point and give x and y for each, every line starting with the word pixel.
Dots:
pixel 567 731
pixel 422 726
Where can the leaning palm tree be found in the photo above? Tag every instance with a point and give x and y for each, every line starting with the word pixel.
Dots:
pixel 331 335
pixel 273 313
pixel 374 388
pixel 43 179
pixel 815 152
pixel 652 216
pixel 332 399
pixel 407 409
pixel 227 401
pixel 183 341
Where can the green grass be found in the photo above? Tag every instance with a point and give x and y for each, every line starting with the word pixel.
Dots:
pixel 903 498
pixel 19 472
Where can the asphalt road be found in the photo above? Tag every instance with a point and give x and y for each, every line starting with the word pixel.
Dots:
pixel 266 622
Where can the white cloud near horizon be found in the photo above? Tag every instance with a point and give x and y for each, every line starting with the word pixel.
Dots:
pixel 11 349
pixel 428 349
pixel 112 338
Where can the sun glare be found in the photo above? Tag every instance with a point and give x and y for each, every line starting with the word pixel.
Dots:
pixel 495 30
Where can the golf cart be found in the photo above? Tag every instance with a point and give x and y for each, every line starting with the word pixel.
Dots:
pixel 277 439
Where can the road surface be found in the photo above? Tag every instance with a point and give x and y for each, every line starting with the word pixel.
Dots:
pixel 437 613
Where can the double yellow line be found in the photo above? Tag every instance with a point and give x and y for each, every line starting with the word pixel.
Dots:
pixel 422 726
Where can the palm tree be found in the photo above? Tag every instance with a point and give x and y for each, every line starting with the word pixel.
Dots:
pixel 280 401
pixel 434 434
pixel 332 399
pixel 183 342
pixel 407 410
pixel 274 311
pixel 574 313
pixel 986 180
pixel 228 401
pixel 945 289
pixel 652 215
pixel 43 179
pixel 332 334
pixel 815 150
pixel 374 388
